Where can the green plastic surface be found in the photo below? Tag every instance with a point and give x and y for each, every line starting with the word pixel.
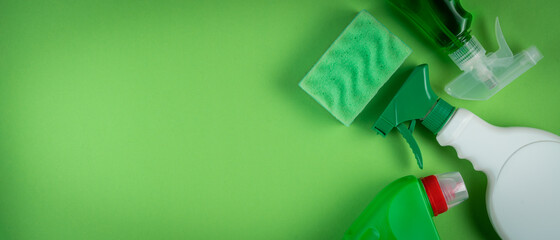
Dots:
pixel 183 119
pixel 401 210
pixel 355 67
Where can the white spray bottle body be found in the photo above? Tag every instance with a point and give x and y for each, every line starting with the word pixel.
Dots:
pixel 522 166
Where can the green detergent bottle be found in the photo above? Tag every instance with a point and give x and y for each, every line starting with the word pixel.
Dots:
pixel 404 209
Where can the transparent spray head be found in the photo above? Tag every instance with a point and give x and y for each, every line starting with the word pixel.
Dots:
pixel 453 188
pixel 484 75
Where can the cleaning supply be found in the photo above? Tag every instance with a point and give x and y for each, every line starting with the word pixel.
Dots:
pixel 406 207
pixel 521 164
pixel 355 67
pixel 447 24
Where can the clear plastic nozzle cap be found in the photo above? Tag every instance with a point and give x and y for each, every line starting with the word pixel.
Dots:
pixel 453 188
pixel 486 74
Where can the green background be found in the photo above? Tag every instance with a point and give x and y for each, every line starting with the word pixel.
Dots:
pixel 183 119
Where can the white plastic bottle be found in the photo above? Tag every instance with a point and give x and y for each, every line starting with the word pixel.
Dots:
pixel 522 166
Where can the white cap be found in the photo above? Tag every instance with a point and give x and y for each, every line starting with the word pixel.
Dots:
pixel 485 75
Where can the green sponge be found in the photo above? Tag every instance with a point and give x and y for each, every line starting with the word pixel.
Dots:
pixel 355 67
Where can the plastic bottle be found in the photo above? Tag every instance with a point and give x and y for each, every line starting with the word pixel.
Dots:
pixel 447 24
pixel 521 164
pixel 404 209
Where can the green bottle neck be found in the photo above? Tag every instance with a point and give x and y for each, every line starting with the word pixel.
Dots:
pixel 457 43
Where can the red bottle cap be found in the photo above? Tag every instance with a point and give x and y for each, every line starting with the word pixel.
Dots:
pixel 435 195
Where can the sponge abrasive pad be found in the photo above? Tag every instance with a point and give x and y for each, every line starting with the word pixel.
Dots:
pixel 355 67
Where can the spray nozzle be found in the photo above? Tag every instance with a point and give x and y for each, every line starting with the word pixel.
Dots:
pixel 415 101
pixel 485 75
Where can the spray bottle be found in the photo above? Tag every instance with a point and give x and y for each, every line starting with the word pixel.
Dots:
pixel 406 207
pixel 521 163
pixel 448 25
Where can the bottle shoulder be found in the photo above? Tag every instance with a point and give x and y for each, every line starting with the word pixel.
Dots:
pixel 445 22
pixel 400 211
pixel 488 147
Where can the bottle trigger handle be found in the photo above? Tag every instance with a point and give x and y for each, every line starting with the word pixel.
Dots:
pixel 503 48
pixel 406 132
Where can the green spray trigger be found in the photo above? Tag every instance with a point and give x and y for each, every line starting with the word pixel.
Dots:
pixel 415 101
pixel 407 134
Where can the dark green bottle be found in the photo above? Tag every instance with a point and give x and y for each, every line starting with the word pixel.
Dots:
pixel 444 21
